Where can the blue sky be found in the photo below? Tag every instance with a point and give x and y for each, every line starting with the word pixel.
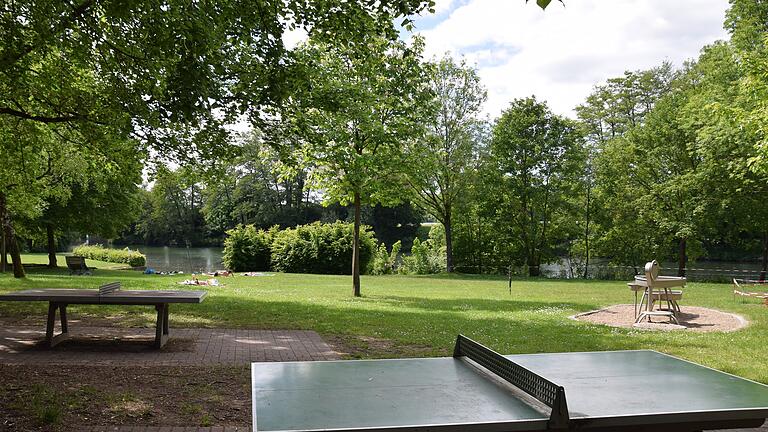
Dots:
pixel 560 54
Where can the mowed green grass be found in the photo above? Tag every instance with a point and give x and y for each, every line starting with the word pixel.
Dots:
pixel 421 315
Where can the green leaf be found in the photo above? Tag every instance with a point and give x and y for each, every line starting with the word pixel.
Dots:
pixel 543 3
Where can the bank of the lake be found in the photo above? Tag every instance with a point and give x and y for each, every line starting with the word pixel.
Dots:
pixel 205 259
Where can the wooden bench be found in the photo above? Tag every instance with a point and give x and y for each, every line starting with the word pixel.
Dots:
pixel 747 288
pixel 76 265
pixel 673 296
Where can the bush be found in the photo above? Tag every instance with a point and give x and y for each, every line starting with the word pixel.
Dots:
pixel 426 257
pixel 320 248
pixel 100 253
pixel 248 249
pixel 384 262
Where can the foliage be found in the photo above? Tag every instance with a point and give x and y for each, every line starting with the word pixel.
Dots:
pixel 173 209
pixel 536 160
pixel 167 73
pixel 384 262
pixel 320 248
pixel 99 252
pixel 427 257
pixel 442 158
pixel 399 223
pixel 247 248
pixel 250 189
pixel 349 127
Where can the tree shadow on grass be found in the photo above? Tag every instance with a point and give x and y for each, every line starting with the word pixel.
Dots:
pixel 477 304
pixel 437 328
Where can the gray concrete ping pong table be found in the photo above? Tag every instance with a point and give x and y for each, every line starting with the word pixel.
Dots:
pixel 109 294
pixel 479 390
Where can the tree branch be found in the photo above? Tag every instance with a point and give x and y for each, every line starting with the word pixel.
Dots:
pixel 39 118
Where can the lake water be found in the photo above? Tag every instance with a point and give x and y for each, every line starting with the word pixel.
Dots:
pixel 192 260
pixel 200 259
pixel 716 271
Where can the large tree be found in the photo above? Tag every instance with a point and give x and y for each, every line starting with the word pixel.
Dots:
pixel 664 176
pixel 538 158
pixel 610 111
pixel 352 119
pixel 747 22
pixel 441 159
pixel 105 204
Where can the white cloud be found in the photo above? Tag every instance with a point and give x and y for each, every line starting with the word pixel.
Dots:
pixel 561 53
pixel 442 6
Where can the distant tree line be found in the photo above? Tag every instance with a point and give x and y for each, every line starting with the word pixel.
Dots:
pixel 197 205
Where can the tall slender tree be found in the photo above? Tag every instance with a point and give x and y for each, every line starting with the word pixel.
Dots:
pixel 352 120
pixel 442 158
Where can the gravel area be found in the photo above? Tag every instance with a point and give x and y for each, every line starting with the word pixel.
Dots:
pixel 692 318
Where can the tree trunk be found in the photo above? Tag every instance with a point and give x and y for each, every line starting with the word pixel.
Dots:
pixel 765 257
pixel 681 257
pixel 448 242
pixel 586 232
pixel 10 236
pixel 51 245
pixel 356 249
pixel 534 268
pixel 3 252
pixel 479 244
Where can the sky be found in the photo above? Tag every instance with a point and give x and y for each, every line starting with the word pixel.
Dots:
pixel 561 53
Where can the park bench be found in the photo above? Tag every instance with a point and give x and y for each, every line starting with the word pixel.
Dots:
pixel 751 288
pixel 109 294
pixel 76 265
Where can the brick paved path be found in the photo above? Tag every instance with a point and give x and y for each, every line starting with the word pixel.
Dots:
pixel 114 346
pixel 163 429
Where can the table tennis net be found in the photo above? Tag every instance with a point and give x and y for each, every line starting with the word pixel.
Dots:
pixel 526 380
pixel 109 288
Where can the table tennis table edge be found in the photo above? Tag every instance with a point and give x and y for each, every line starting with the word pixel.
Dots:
pixel 679 416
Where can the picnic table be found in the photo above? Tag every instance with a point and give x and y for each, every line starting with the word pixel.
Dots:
pixel 110 294
pixel 657 289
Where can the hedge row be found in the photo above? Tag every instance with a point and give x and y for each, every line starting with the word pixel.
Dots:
pixel 100 253
pixel 315 248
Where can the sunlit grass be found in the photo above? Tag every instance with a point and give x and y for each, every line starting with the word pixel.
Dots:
pixel 428 311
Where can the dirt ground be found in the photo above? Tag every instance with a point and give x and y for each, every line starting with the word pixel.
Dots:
pixel 691 318
pixel 59 398
pixel 358 347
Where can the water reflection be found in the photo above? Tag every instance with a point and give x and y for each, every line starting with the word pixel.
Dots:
pixel 188 260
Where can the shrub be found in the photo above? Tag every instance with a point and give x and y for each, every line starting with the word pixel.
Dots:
pixel 384 262
pixel 320 248
pixel 100 253
pixel 247 248
pixel 426 257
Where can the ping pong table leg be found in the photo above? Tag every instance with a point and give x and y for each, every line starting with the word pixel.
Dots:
pixel 161 328
pixel 63 317
pixel 165 319
pixel 50 339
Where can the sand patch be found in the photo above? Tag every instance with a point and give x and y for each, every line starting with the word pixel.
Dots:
pixel 692 318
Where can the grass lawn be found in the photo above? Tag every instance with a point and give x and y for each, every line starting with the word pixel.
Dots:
pixel 420 316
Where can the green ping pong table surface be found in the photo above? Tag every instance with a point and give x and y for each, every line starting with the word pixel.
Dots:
pixel 479 390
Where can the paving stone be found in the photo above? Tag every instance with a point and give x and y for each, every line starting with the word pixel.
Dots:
pixel 21 345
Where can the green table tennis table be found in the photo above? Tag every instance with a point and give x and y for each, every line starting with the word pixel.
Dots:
pixel 478 390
